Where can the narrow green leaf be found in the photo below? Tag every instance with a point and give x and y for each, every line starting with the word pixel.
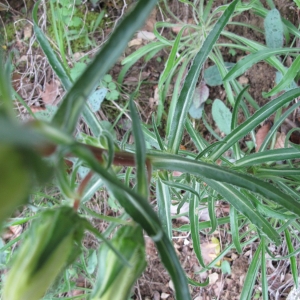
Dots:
pixel 167 72
pixel 212 214
pixel 195 283
pixel 251 275
pixel 200 143
pixel 287 78
pixel 140 152
pixel 182 186
pixel 171 262
pixel 134 204
pixel 158 138
pixel 217 173
pixel 150 137
pixel 208 149
pixel 293 261
pixel 136 55
pixel 176 92
pixel 255 120
pixel 164 206
pixel 264 280
pixel 267 156
pixel 6 90
pixel 194 219
pixel 62 73
pixel 235 228
pixel 234 119
pixel 171 59
pixel 186 95
pixel 280 214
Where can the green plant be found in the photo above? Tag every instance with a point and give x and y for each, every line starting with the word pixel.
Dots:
pixel 264 208
pixel 240 199
pixel 72 26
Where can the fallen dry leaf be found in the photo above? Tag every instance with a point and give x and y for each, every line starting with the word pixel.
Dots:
pixel 12 232
pixel 146 35
pixel 210 250
pixel 36 109
pixel 153 102
pixel 261 135
pixel 171 285
pixel 164 296
pixel 135 42
pixel 156 295
pixel 51 92
pixel 76 293
pixel 280 139
pixel 243 80
pixel 213 278
pixel 27 32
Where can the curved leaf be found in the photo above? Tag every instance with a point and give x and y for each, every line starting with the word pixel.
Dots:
pixel 217 173
pixel 248 61
pixel 267 156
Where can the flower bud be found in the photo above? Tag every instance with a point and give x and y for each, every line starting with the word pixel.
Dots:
pixel 45 251
pixel 115 278
pixel 14 180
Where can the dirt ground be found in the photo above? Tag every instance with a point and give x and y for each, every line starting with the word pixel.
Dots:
pixel 155 283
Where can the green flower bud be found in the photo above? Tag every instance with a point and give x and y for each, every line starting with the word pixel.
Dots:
pixel 115 278
pixel 14 180
pixel 46 250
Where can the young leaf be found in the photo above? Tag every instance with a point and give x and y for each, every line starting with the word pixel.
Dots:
pixel 222 116
pixel 273 29
pixel 96 99
pixel 196 113
pixel 212 74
